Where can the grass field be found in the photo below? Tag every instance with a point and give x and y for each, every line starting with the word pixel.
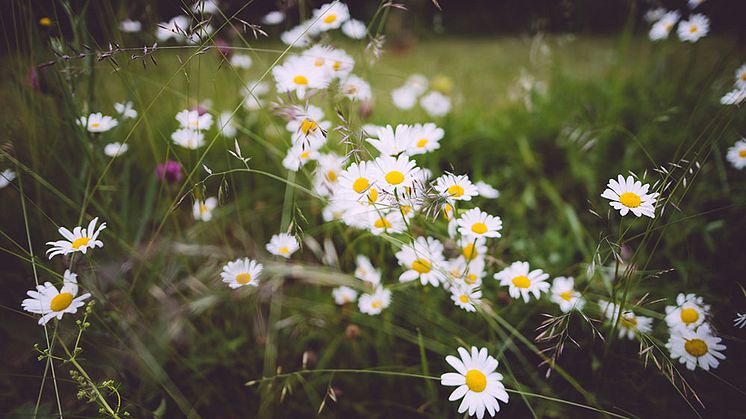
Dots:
pixel 546 119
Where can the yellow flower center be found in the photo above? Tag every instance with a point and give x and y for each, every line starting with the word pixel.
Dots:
pixel 203 209
pixel 45 21
pixel 78 243
pixel 331 176
pixel 693 29
pixel 243 278
pixel 61 301
pixel 308 126
pixel 630 199
pixel 463 298
pixel 456 191
pixel 695 347
pixel 95 124
pixel 373 195
pixel 521 281
pixel 743 76
pixel 382 223
pixel 337 65
pixel 394 177
pixel 476 380
pixel 283 250
pixel 422 143
pixel 471 279
pixel 405 209
pixel 376 304
pixel 302 80
pixel 479 228
pixel 360 185
pixel 422 266
pixel 319 62
pixel 689 315
pixel 447 211
pixel 742 153
pixel 305 154
pixel 330 18
pixel 469 251
pixel 566 295
pixel 629 321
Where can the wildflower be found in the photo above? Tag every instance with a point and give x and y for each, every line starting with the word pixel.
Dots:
pixel 194 120
pixel 359 180
pixel 464 273
pixel 115 149
pixel 486 190
pixel 365 271
pixel 654 15
pixel 336 63
pixel 125 109
pixel 740 320
pixel 326 176
pixel 422 259
pixel 390 141
pixel 424 138
pixel 175 28
pixel 169 171
pixel 734 97
pixel 689 312
pixel 188 138
pixel 330 16
pixel 298 155
pixel 354 29
pixel 6 176
pixel 417 83
pixel 630 195
pixel 693 4
pixel 381 222
pixel 456 187
pixel 662 28
pixel 97 122
pixel 297 75
pixel 695 28
pixel 394 172
pixel 226 125
pixel 564 294
pixel 273 18
pixel 696 347
pixel 344 295
pixel 241 272
pixel 741 76
pixel 737 154
pixel 475 223
pixel 202 209
pixel 283 244
pixel 373 304
pixel 298 36
pixel 466 297
pixel 356 88
pixel 46 22
pixel 308 128
pixel 241 61
pixel 50 302
pixel 404 98
pixel 472 247
pixel 521 282
pixel 436 104
pixel 478 383
pixel 130 26
pixel 629 323
pixel 79 240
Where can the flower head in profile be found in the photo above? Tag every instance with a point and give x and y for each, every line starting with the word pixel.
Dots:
pixel 188 138
pixel 486 190
pixel 365 271
pixel 78 240
pixel 354 29
pixel 734 97
pixel 476 382
pixel 126 110
pixel 696 348
pixel 375 303
pixel 564 294
pixel 475 224
pixel 741 76
pixel 630 195
pixel 689 312
pixel 202 209
pixel 97 122
pixel 115 149
pixel 629 322
pixel 344 295
pixel 50 302
pixel 694 29
pixel 283 244
pixel 241 272
pixel 662 28
pixel 521 282
pixel 737 154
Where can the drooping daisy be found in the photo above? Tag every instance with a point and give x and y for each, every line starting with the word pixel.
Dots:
pixel 242 61
pixel 283 244
pixel 486 190
pixel 356 88
pixel 696 347
pixel 521 282
pixel 97 122
pixel 466 297
pixel 477 382
pixel 564 294
pixel 273 18
pixel 424 138
pixel 330 16
pixel 202 210
pixel 741 76
pixel 354 29
pixel 436 104
pixel 390 141
pixel 126 110
pixel 456 187
pixel 188 138
pixel 394 172
pixel 693 29
pixel 404 98
pixel 241 272
pixel 115 149
pixel 689 312
pixel 476 223
pixel 737 154
pixel 630 195
pixel 344 295
pixel 193 120
pixel 629 322
pixel 298 155
pixel 373 304
pixel 130 26
pixel 422 259
pixel 662 28
pixel 79 240
pixel 365 271
pixel 299 75
pixel 6 176
pixel 50 303
pixel 390 222
pixel 226 125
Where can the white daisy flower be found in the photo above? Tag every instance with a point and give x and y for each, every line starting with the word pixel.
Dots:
pixel 737 154
pixel 521 282
pixel 50 303
pixel 226 125
pixel 422 259
pixel 188 138
pixel 391 142
pixel 365 271
pixel 693 29
pixel 97 122
pixel 394 172
pixel 477 382
pixel 654 15
pixel 436 104
pixel 418 83
pixel 662 28
pixel 298 155
pixel 373 304
pixel 174 28
pixel 252 92
pixel 193 120
pixel 243 61
pixel 355 88
pixel 486 190
pixel 283 244
pixel 424 138
pixel 404 97
pixel 330 16
pixel 344 295
pixel 740 320
pixel 311 116
pixel 359 179
pixel 297 75
pixel 202 210
pixel 689 312
pixel 335 62
pixel 741 76
pixel 564 294
pixel 6 176
pixel 79 240
pixel 115 149
pixel 475 223
pixel 472 247
pixel 273 18
pixel 693 4
pixel 126 110
pixel 385 222
pixel 130 26
pixel 326 176
pixel 464 273
pixel 298 36
pixel 354 29
pixel 629 322
pixel 456 187
pixel 696 347
pixel 630 195
pixel 734 97
pixel 466 297
pixel 241 272
pixel 310 133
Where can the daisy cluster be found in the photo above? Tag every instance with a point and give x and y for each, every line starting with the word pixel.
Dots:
pixel 692 340
pixel 98 123
pixel 695 27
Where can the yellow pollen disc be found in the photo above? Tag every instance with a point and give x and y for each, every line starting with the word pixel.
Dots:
pixel 447 211
pixel 330 19
pixel 521 281
pixel 300 80
pixel 470 279
pixel 695 347
pixel 693 29
pixel 95 124
pixel 456 191
pixel 630 199
pixel 463 298
pixel 360 185
pixel 422 266
pixel 689 315
pixel 373 195
pixel 668 26
pixel 331 176
pixel 479 228
pixel 78 243
pixel 566 295
pixel 243 278
pixel 476 380
pixel 319 62
pixel 742 153
pixel 337 65
pixel 202 208
pixel 743 76
pixel 283 250
pixel 629 321
pixel 382 223
pixel 405 209
pixel 304 155
pixel 469 251
pixel 394 177
pixel 61 301
pixel 422 143
pixel 308 126
pixel 45 21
